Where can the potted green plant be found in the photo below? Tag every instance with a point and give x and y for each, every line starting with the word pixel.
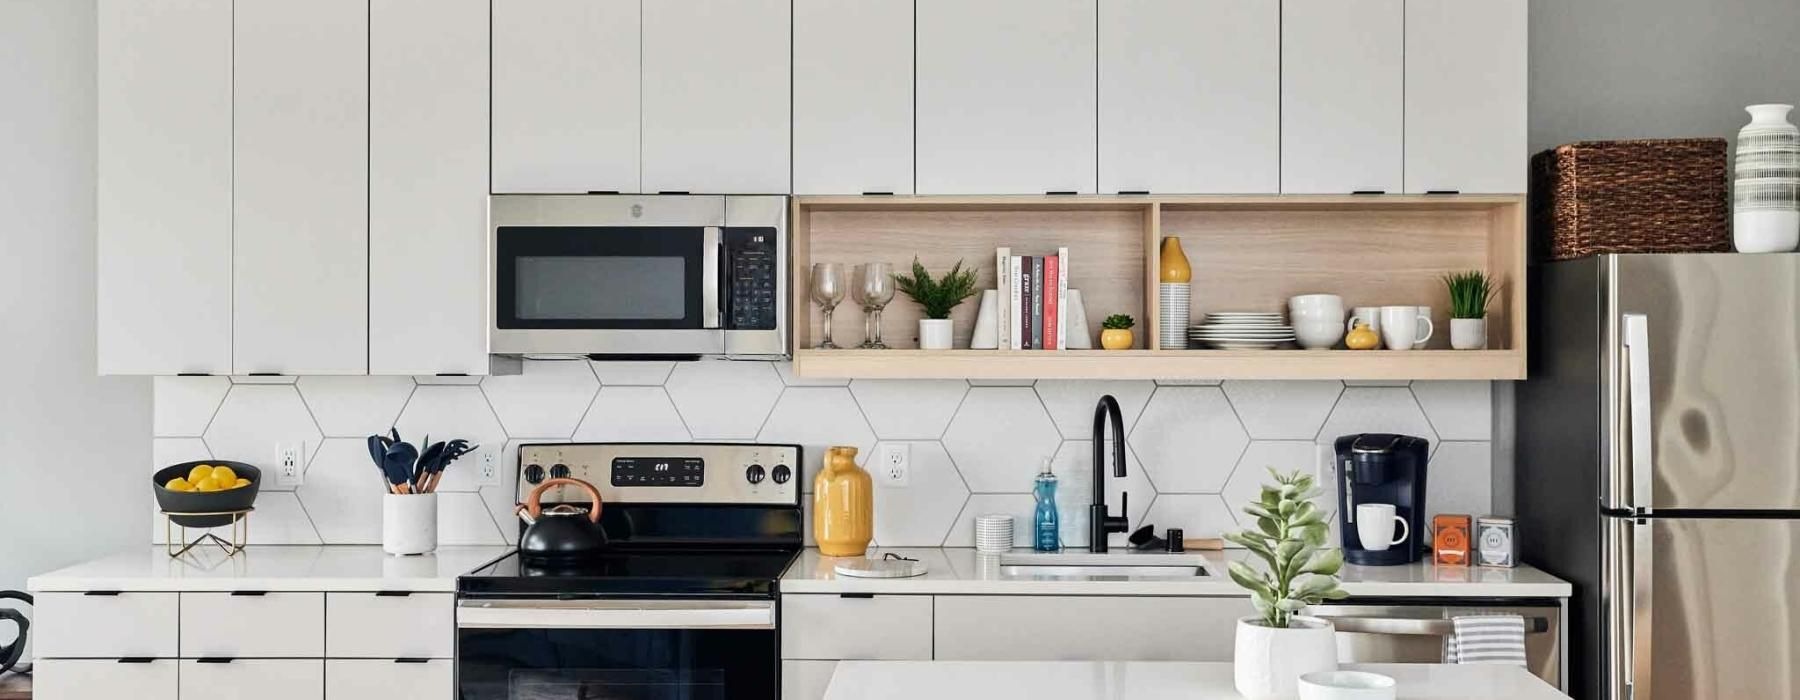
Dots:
pixel 1115 332
pixel 1277 645
pixel 937 298
pixel 1470 293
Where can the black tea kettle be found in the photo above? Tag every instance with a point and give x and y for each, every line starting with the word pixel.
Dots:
pixel 563 533
pixel 10 653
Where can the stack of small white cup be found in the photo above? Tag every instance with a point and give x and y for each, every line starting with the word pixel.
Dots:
pixel 1318 320
pixel 994 533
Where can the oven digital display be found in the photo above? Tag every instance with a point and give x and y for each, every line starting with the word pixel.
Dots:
pixel 658 471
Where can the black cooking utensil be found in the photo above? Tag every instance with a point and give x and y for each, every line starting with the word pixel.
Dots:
pixel 428 465
pixel 398 466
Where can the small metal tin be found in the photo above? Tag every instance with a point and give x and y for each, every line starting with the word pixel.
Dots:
pixel 1496 542
pixel 1450 539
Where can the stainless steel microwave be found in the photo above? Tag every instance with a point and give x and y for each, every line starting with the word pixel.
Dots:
pixel 650 275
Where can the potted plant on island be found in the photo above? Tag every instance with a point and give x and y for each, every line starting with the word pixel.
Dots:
pixel 1470 293
pixel 1277 645
pixel 1115 332
pixel 937 298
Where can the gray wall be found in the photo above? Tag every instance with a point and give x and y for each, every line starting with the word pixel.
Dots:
pixel 72 445
pixel 1613 69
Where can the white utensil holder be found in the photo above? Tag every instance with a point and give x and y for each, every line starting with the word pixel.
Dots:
pixel 409 523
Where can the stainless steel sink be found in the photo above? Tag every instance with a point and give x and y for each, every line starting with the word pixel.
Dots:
pixel 1102 567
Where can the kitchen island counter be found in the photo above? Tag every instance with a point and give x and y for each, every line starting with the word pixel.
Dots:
pixel 1146 680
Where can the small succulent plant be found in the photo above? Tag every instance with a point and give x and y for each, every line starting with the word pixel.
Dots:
pixel 1118 321
pixel 1289 538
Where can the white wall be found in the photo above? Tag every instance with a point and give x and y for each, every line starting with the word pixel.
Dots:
pixel 72 445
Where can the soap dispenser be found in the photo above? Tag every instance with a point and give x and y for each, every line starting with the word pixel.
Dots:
pixel 1046 535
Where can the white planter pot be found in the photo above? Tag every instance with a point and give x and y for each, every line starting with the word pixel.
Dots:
pixel 1468 333
pixel 934 334
pixel 409 523
pixel 1268 662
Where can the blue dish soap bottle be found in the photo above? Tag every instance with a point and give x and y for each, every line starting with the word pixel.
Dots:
pixel 1046 535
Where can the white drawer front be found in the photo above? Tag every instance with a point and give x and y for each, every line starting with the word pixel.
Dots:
pixel 238 626
pixel 77 625
pixel 1086 628
pixel 370 679
pixel 370 626
pixel 896 627
pixel 70 679
pixel 253 679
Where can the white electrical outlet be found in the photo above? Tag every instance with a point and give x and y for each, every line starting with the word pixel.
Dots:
pixel 896 464
pixel 490 468
pixel 290 464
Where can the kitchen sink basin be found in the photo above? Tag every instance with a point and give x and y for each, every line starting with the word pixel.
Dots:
pixel 1102 567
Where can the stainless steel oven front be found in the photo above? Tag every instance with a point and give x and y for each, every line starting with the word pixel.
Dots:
pixel 624 275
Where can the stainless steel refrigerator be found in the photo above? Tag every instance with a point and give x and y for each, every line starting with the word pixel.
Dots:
pixel 1658 468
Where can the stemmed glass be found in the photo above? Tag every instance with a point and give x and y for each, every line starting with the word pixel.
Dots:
pixel 876 290
pixel 828 290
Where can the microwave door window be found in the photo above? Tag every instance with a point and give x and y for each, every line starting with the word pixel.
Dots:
pixel 601 288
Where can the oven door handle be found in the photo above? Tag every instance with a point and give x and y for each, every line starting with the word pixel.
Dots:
pixel 614 614
pixel 710 250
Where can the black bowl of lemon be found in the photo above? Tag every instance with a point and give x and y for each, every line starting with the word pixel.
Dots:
pixel 215 487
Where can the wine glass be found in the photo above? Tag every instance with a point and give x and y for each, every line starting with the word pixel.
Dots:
pixel 828 290
pixel 877 290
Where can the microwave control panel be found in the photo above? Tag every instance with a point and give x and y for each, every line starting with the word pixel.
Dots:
pixel 752 260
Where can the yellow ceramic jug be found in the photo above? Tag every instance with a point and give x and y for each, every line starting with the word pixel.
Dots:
pixel 843 505
pixel 1362 337
pixel 1175 268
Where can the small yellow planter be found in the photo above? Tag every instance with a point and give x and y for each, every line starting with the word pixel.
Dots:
pixel 1117 339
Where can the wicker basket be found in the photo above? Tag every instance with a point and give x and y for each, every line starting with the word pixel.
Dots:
pixel 1656 196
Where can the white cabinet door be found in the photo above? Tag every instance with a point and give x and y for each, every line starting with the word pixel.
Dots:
pixel 1465 96
pixel 390 680
pixel 242 625
pixel 114 625
pixel 888 627
pixel 372 626
pixel 853 96
pixel 1190 96
pixel 428 186
pixel 164 191
pixel 1006 96
pixel 65 679
pixel 716 96
pixel 1069 628
pixel 301 258
pixel 261 679
pixel 565 95
pixel 1342 98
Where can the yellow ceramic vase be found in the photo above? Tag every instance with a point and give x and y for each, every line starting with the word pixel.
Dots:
pixel 1175 268
pixel 843 505
pixel 1362 337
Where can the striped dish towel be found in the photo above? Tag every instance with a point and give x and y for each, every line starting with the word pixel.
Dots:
pixel 1486 639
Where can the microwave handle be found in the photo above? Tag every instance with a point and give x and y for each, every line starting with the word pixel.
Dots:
pixel 710 250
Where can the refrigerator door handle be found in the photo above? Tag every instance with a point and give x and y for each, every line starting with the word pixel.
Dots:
pixel 1639 618
pixel 1637 371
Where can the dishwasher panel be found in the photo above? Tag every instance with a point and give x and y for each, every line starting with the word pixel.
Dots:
pixel 1391 633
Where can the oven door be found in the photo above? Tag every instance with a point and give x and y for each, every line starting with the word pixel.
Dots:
pixel 617 650
pixel 579 275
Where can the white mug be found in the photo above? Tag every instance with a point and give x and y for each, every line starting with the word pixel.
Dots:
pixel 1402 327
pixel 1369 315
pixel 1375 526
pixel 1426 312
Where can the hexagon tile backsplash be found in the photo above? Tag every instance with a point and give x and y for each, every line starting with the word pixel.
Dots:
pixel 1192 447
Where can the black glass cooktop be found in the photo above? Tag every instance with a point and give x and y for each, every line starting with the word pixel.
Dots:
pixel 635 573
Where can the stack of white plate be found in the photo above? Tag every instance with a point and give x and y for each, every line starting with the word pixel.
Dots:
pixel 994 533
pixel 1242 330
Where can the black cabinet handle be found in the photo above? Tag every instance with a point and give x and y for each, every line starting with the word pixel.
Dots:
pixel 1429 192
pixel 1134 191
pixel 392 594
pixel 214 660
pixel 411 660
pixel 249 594
pixel 101 593
pixel 878 193
pixel 863 596
pixel 136 660
pixel 1369 192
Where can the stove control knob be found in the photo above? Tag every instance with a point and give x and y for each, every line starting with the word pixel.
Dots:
pixel 534 474
pixel 781 473
pixel 754 474
pixel 559 471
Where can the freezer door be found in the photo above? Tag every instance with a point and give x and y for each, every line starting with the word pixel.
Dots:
pixel 1713 610
pixel 1719 396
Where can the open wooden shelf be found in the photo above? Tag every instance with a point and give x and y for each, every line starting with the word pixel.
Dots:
pixel 1248 253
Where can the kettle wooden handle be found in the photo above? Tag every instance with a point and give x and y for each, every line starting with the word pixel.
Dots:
pixel 535 509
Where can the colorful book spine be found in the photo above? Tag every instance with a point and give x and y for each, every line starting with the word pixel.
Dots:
pixel 1037 302
pixel 1027 292
pixel 1062 298
pixel 1052 322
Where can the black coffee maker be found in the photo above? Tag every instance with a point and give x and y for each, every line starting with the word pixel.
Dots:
pixel 1382 468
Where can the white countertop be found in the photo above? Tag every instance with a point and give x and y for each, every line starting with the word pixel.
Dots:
pixel 271 568
pixel 964 571
pixel 1145 680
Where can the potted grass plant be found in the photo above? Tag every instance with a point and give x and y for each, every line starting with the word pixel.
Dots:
pixel 1470 294
pixel 1277 645
pixel 936 298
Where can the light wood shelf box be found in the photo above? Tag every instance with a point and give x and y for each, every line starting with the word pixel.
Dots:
pixel 1248 253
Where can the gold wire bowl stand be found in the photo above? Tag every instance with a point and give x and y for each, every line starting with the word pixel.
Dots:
pixel 240 533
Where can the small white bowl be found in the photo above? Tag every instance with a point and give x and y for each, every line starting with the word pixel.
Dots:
pixel 1346 685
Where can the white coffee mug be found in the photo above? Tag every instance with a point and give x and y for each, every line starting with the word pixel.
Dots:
pixel 1426 312
pixel 1402 327
pixel 1369 315
pixel 1375 526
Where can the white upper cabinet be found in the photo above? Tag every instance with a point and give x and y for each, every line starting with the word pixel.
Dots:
pixel 716 96
pixel 428 185
pixel 1465 96
pixel 1341 96
pixel 164 194
pixel 853 96
pixel 300 197
pixel 1006 96
pixel 565 91
pixel 1190 96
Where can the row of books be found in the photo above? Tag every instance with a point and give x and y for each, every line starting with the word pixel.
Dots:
pixel 1034 293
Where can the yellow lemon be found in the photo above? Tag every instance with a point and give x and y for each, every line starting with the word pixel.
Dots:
pixel 178 484
pixel 199 473
pixel 206 486
pixel 240 483
pixel 224 473
pixel 220 484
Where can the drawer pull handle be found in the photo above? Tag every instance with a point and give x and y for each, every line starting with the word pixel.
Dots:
pixel 137 660
pixel 411 660
pixel 249 594
pixel 214 660
pixel 863 596
pixel 101 593
pixel 392 594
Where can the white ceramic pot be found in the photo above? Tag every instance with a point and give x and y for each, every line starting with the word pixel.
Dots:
pixel 1468 333
pixel 409 523
pixel 1269 662
pixel 934 333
